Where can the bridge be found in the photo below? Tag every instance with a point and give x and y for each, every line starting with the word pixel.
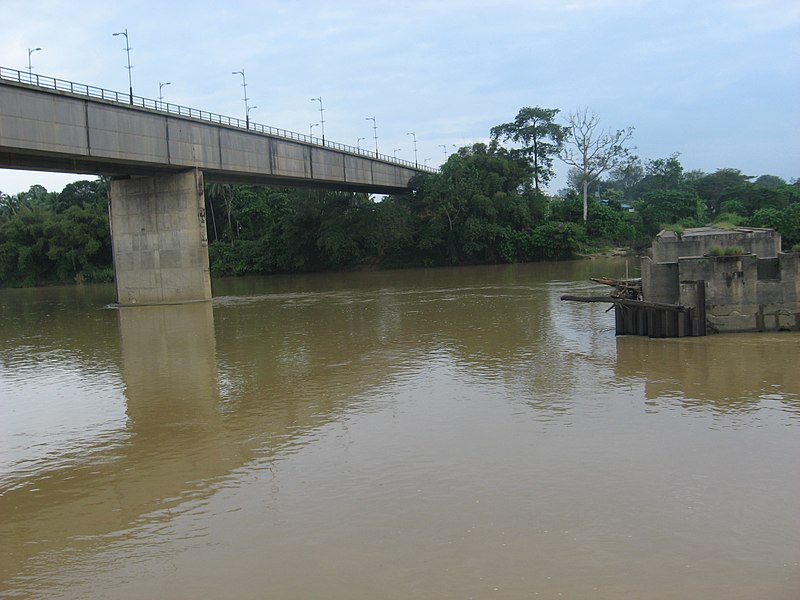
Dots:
pixel 159 155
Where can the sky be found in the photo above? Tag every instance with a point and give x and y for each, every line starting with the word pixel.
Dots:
pixel 717 81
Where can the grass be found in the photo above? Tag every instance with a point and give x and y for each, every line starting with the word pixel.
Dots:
pixel 726 251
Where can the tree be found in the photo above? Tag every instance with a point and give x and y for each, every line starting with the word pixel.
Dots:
pixel 663 174
pixel 626 177
pixel 225 192
pixel 541 139
pixel 660 207
pixel 720 186
pixel 592 150
pixel 770 181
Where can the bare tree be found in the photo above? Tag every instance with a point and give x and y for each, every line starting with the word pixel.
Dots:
pixel 591 150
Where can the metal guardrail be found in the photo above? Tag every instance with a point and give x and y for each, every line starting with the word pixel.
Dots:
pixel 123 98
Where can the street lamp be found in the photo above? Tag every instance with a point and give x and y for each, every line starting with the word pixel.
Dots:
pixel 160 94
pixel 311 129
pixel 129 67
pixel 31 51
pixel 425 162
pixel 444 147
pixel 245 98
pixel 374 133
pixel 358 143
pixel 248 114
pixel 414 136
pixel 394 153
pixel 321 117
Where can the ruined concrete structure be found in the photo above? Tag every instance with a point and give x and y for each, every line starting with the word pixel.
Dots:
pixel 758 290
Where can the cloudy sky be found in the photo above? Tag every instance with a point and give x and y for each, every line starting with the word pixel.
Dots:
pixel 717 81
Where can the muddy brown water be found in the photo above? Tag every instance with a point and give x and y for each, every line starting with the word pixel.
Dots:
pixel 443 433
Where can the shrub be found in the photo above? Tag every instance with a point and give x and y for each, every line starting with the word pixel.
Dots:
pixel 726 251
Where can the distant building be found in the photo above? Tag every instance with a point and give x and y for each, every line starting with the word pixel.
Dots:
pixel 755 290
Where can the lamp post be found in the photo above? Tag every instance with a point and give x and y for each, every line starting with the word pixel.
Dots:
pixel 160 94
pixel 414 136
pixel 245 98
pixel 358 143
pixel 129 67
pixel 374 133
pixel 321 117
pixel 425 162
pixel 311 129
pixel 444 147
pixel 395 151
pixel 31 51
pixel 247 116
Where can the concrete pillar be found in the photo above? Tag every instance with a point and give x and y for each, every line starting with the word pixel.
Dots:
pixel 158 234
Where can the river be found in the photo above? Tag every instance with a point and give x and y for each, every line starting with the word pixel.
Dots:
pixel 438 433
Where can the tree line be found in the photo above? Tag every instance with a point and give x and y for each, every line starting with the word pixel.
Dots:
pixel 485 205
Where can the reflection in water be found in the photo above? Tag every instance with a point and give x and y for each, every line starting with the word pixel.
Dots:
pixel 423 434
pixel 728 373
pixel 153 457
pixel 169 368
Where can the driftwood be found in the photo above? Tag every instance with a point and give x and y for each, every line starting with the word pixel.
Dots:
pixel 623 288
pixel 625 302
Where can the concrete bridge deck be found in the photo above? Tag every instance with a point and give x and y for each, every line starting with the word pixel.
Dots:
pixel 160 154
pixel 56 125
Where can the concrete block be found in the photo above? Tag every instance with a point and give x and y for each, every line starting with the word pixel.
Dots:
pixel 193 144
pixel 131 135
pixel 164 258
pixel 290 159
pixel 244 152
pixel 42 122
pixel 327 165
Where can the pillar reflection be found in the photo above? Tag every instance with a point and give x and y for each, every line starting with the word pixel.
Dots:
pixel 169 367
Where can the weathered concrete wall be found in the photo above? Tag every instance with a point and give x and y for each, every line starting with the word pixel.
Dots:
pixel 327 165
pixel 358 169
pixel 159 239
pixel 192 143
pixel 133 136
pixel 790 276
pixel 669 247
pixel 660 281
pixel 21 114
pixel 736 300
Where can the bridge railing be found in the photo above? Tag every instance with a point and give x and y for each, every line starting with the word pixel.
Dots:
pixel 123 98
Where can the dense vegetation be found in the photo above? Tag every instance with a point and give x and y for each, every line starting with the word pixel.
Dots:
pixel 484 206
pixel 55 237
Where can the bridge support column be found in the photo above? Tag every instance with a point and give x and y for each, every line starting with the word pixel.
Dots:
pixel 158 234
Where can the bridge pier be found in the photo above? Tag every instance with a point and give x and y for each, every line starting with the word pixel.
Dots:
pixel 158 235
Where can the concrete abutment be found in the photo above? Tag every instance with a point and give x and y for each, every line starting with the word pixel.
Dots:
pixel 158 235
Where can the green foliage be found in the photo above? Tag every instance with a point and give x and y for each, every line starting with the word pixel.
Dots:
pixel 733 206
pixel 659 207
pixel 766 217
pixel 726 251
pixel 790 225
pixel 539 137
pixel 54 238
pixel 720 186
pixel 676 227
pixel 662 174
pixel 728 221
pixel 556 241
